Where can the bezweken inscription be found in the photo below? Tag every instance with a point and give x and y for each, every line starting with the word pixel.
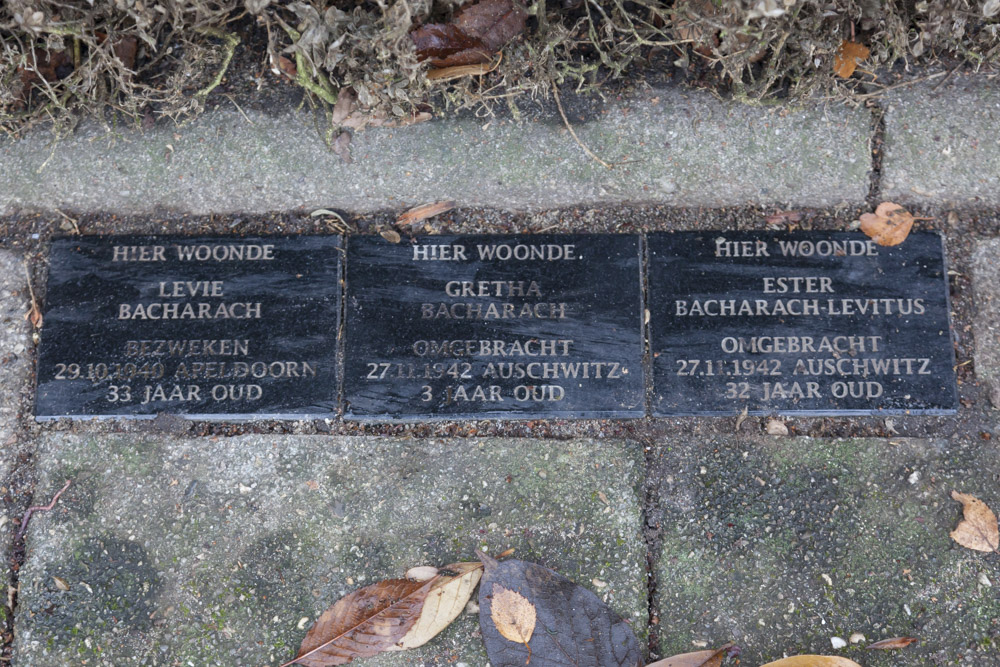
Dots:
pixel 493 327
pixel 202 327
pixel 825 323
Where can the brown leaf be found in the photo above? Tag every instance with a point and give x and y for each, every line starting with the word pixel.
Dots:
pixel 126 48
pixel 812 661
pixel 390 235
pixel 696 22
pixel 513 615
pixel 34 315
pixel 284 65
pixel 889 225
pixel 459 71
pixel 363 623
pixel 424 211
pixel 845 61
pixel 575 627
pixel 895 642
pixel 978 529
pixel 709 658
pixel 345 106
pixel 476 32
pixel 450 592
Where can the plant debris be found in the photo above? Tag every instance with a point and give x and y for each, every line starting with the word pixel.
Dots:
pixel 978 529
pixel 894 643
pixel 473 36
pixel 573 625
pixel 889 225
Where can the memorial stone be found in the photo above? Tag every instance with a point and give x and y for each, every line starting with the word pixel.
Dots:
pixel 816 323
pixel 204 327
pixel 448 327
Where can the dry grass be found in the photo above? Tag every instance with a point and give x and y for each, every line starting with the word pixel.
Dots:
pixel 60 59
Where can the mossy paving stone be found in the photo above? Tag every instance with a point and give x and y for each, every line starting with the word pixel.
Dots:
pixel 211 551
pixel 750 526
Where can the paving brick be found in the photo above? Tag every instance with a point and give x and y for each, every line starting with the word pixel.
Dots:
pixel 677 147
pixel 205 552
pixel 942 147
pixel 780 544
pixel 986 322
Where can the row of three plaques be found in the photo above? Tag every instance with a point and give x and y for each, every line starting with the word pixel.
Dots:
pixel 529 326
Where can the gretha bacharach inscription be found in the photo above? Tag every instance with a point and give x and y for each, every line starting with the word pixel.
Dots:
pixel 820 323
pixel 207 328
pixel 447 327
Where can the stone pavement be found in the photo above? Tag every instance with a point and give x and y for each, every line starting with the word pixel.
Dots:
pixel 185 549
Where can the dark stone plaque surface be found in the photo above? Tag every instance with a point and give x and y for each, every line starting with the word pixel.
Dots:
pixel 208 328
pixel 821 323
pixel 448 327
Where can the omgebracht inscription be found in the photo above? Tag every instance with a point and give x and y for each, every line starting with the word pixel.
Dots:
pixel 815 323
pixel 202 327
pixel 493 326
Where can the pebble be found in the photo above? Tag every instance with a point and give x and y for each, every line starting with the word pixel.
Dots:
pixel 857 638
pixel 837 643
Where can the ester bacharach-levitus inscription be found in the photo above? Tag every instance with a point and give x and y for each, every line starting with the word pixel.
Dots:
pixel 821 323
pixel 206 327
pixel 447 327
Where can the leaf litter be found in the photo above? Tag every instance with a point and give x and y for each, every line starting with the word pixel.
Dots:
pixel 573 625
pixel 390 615
pixel 707 658
pixel 894 643
pixel 889 225
pixel 474 35
pixel 978 529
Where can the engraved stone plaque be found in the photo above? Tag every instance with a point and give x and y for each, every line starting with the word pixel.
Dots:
pixel 204 327
pixel 817 323
pixel 485 327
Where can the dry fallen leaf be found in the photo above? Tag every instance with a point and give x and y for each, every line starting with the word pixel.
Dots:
pixel 363 623
pixel 889 225
pixel 34 315
pixel 812 661
pixel 60 583
pixel 575 627
pixel 895 642
pixel 391 615
pixel 477 31
pixel 513 615
pixel 390 235
pixel 776 427
pixel 709 658
pixel 978 529
pixel 419 213
pixel 845 61
pixel 446 599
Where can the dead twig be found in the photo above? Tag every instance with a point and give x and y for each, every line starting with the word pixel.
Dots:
pixel 40 508
pixel 555 93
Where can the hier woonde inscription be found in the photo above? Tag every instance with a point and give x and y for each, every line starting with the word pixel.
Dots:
pixel 812 323
pixel 493 327
pixel 203 327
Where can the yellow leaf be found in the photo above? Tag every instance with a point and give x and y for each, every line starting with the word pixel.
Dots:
pixel 513 615
pixel 889 225
pixel 813 661
pixel 445 601
pixel 845 61
pixel 978 529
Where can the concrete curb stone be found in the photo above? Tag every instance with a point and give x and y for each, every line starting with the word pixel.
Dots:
pixel 676 147
pixel 15 372
pixel 986 322
pixel 214 552
pixel 942 146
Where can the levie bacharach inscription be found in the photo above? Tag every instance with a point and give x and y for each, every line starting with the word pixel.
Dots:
pixel 447 327
pixel 822 323
pixel 206 327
